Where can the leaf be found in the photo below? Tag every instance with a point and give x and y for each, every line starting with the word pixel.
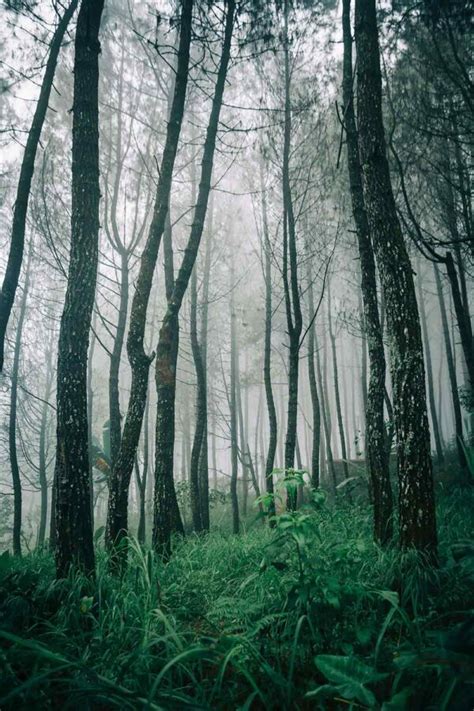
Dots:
pixel 398 702
pixel 350 675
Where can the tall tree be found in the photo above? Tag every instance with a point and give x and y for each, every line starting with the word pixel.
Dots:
pixel 17 240
pixel 377 451
pixel 117 514
pixel 267 356
pixel 12 421
pixel 166 512
pixel 290 271
pixel 417 516
pixel 74 545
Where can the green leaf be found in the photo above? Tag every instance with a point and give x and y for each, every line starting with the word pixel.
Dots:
pixel 350 675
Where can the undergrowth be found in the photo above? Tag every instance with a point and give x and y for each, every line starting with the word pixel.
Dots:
pixel 309 615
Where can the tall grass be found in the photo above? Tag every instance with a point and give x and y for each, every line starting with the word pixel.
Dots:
pixel 311 615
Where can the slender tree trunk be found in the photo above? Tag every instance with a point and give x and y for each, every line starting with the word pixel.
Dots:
pixel 166 513
pixel 17 241
pixel 377 451
pixel 267 359
pixel 316 408
pixel 12 423
pixel 290 278
pixel 200 410
pixel 417 515
pixel 42 464
pixel 74 545
pixel 337 396
pixel 117 515
pixel 429 373
pixel 234 446
pixel 326 423
pixel 452 375
pixel 115 360
pixel 204 455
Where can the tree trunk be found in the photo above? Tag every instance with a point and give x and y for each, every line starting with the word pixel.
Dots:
pixel 117 514
pixel 335 372
pixel 115 360
pixel 291 287
pixel 267 357
pixel 12 422
pixel 234 447
pixel 452 376
pixel 377 451
pixel 17 242
pixel 74 545
pixel 417 515
pixel 429 373
pixel 316 408
pixel 200 410
pixel 42 464
pixel 166 512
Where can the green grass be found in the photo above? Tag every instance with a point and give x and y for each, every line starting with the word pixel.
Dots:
pixel 311 615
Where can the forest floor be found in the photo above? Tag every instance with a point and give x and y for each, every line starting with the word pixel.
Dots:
pixel 309 615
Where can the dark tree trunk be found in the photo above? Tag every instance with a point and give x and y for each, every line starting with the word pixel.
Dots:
pixel 290 279
pixel 17 242
pixel 267 358
pixel 429 373
pixel 204 456
pixel 417 515
pixel 12 422
pixel 117 514
pixel 74 544
pixel 326 422
pixel 42 463
pixel 115 360
pixel 201 413
pixel 452 376
pixel 337 396
pixel 316 408
pixel 377 451
pixel 234 446
pixel 463 322
pixel 166 513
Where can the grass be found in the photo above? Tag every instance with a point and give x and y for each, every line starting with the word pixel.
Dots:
pixel 311 615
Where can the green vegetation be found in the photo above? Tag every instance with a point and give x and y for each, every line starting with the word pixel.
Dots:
pixel 308 615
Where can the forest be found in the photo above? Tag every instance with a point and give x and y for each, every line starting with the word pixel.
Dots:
pixel 236 354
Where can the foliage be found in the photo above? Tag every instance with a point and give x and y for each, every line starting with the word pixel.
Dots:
pixel 310 614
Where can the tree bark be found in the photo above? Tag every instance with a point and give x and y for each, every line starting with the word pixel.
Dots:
pixel 117 514
pixel 17 241
pixel 377 451
pixel 166 513
pixel 74 545
pixel 417 515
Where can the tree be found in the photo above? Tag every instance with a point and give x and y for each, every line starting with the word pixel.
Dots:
pixel 166 518
pixel 377 451
pixel 17 240
pixel 117 514
pixel 74 544
pixel 416 495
